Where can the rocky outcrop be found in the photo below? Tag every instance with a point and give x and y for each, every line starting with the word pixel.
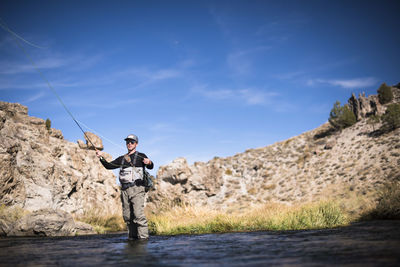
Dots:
pixel 365 106
pixel 41 170
pixel 93 141
pixel 316 164
pixel 48 222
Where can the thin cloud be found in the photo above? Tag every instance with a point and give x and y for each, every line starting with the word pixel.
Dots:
pixel 248 96
pixel 103 103
pixel 7 67
pixel 349 83
pixel 34 97
pixel 241 62
pixel 17 85
pixel 151 75
pixel 221 20
pixel 162 127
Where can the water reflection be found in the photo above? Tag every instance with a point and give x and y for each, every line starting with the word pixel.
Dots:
pixel 372 243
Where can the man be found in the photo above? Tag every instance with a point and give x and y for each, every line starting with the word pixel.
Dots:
pixel 132 190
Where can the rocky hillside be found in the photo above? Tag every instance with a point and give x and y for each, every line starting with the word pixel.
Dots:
pixel 40 170
pixel 318 163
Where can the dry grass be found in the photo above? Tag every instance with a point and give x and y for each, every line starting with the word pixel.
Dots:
pixel 388 204
pixel 349 206
pixel 198 220
pixel 102 223
pixel 11 214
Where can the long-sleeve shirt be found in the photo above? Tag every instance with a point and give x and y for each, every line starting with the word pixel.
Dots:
pixel 118 162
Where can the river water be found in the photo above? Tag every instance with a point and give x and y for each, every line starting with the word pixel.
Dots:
pixel 374 243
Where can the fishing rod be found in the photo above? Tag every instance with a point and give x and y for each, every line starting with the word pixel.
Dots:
pixel 17 39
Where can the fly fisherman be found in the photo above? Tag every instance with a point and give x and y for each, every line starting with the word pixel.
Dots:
pixel 133 192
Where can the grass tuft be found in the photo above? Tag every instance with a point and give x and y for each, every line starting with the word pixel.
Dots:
pixel 195 220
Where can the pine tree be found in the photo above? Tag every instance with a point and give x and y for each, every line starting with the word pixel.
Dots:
pixel 341 117
pixel 391 118
pixel 385 94
pixel 48 124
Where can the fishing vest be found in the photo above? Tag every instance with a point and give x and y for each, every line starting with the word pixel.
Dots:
pixel 130 174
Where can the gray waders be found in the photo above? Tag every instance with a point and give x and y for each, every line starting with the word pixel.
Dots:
pixel 132 198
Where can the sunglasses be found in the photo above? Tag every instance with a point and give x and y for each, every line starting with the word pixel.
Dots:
pixel 131 142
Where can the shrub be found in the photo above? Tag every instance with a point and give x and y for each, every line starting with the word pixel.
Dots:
pixel 48 124
pixel 388 206
pixel 385 94
pixel 391 118
pixel 341 117
pixel 373 120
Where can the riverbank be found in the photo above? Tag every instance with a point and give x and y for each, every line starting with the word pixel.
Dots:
pixel 185 219
pixel 182 219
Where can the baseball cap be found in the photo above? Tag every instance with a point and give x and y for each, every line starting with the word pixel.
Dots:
pixel 132 137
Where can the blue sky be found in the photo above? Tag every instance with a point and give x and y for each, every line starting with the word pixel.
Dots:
pixel 196 79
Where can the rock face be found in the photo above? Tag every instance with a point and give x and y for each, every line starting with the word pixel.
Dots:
pixel 308 167
pixel 41 170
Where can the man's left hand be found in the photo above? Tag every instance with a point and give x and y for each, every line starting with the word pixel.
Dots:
pixel 146 161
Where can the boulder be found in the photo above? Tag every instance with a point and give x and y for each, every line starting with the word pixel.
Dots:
pixel 94 142
pixel 82 228
pixel 56 133
pixel 177 171
pixel 48 222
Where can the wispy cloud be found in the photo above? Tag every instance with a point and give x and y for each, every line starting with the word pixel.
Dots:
pixel 221 20
pixel 278 28
pixel 7 67
pixel 47 59
pixel 241 62
pixel 151 75
pixel 345 83
pixel 34 97
pixel 16 84
pixel 248 96
pixel 104 102
pixel 162 127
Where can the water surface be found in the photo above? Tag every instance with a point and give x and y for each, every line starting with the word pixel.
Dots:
pixel 364 244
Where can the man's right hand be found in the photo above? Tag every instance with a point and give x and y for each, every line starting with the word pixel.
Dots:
pixel 98 154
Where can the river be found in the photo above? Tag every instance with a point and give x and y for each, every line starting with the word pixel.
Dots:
pixel 375 243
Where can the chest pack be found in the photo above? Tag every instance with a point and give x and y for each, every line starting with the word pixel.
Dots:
pixel 132 173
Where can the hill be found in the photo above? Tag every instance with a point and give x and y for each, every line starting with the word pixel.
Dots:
pixel 321 163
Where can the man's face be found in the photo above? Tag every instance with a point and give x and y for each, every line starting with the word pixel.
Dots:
pixel 131 144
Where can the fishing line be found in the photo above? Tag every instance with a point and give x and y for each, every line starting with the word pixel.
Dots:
pixel 17 40
pixel 6 28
